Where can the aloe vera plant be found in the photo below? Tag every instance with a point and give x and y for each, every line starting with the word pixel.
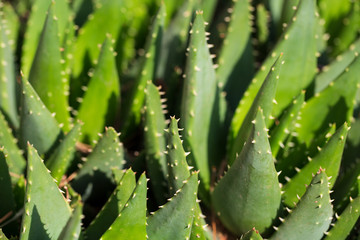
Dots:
pixel 182 120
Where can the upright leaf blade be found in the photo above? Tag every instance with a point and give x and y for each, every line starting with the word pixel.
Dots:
pixel 131 222
pixel 312 216
pixel 101 100
pixel 46 210
pixel 46 71
pixel 250 189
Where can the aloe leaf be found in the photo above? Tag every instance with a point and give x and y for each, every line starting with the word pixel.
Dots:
pixel 131 222
pixel 155 141
pixel 72 229
pixel 12 22
pixel 7 75
pixel 329 158
pixel 335 104
pixel 37 126
pixel 198 101
pixel 101 99
pixel 286 124
pixel 236 63
pixel 262 22
pixel 46 211
pixel 67 51
pixel 293 79
pixel 250 188
pixel 312 215
pixel 96 172
pixel 35 25
pixel 208 7
pixel 345 222
pixel 60 160
pixel 45 73
pixel 265 99
pixel 173 220
pixel 14 159
pixel 275 8
pixel 173 50
pixel 288 10
pixel 105 20
pixel 251 235
pixel 131 114
pixel 113 207
pixel 7 207
pixel 332 71
pixel 117 174
pixel 179 171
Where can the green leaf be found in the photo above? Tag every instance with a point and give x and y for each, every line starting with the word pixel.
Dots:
pixel 236 63
pixel 131 222
pixel 173 220
pixel 332 71
pixel 329 158
pixel 106 19
pixel 14 159
pixel 198 101
pixel 35 24
pixel 7 201
pixel 345 222
pixel 265 100
pixel 72 229
pixel 60 160
pixel 312 216
pixel 250 188
pixel 113 207
pixel 8 101
pixel 46 211
pixel 101 99
pixel 286 124
pixel 10 14
pixel 131 113
pixel 179 171
pixel 293 78
pixel 333 105
pixel 155 142
pixel 96 173
pixel 37 126
pixel 46 72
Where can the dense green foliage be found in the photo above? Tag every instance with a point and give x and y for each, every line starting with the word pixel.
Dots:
pixel 189 119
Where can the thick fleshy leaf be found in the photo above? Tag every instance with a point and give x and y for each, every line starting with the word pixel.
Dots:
pixel 37 126
pixel 251 235
pixel 236 63
pixel 35 25
pixel 250 188
pixel 293 78
pixel 96 173
pixel 106 19
pixel 286 124
pixel 131 112
pixel 265 99
pixel 101 99
pixel 312 216
pixel 46 71
pixel 113 207
pixel 7 74
pixel 155 142
pixel 14 159
pixel 173 220
pixel 333 105
pixel 131 222
pixel 329 158
pixel 72 229
pixel 46 211
pixel 345 222
pixel 178 172
pixel 198 103
pixel 60 160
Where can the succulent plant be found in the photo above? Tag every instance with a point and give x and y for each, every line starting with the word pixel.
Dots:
pixel 191 119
